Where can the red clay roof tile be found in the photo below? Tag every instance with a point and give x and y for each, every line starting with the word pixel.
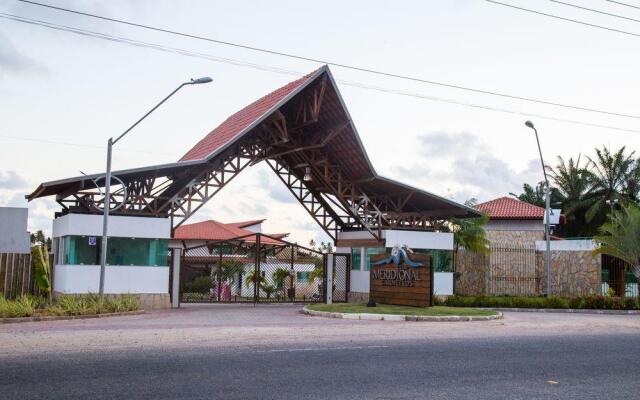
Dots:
pixel 510 208
pixel 239 121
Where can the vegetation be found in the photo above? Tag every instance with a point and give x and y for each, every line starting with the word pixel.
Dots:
pixel 42 275
pixel 621 237
pixel 29 306
pixel 583 302
pixel 468 233
pixel 201 284
pixel 588 193
pixel 229 271
pixel 400 310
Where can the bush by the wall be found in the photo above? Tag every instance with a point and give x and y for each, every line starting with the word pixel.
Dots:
pixel 201 284
pixel 584 302
pixel 29 306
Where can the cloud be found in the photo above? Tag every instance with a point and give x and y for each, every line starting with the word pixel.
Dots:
pixel 464 167
pixel 11 180
pixel 12 60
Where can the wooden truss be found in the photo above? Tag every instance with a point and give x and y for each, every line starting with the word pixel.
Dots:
pixel 285 140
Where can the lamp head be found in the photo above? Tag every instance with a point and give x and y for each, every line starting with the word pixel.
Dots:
pixel 529 124
pixel 204 79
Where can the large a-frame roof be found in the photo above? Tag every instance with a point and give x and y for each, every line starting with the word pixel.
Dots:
pixel 333 130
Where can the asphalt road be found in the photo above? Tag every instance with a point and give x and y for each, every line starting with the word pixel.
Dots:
pixel 583 367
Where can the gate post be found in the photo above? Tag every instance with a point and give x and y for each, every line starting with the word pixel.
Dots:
pixel 329 278
pixel 175 285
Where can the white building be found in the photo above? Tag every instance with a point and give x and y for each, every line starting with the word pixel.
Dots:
pixel 136 260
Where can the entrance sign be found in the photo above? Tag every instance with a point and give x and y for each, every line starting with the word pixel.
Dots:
pixel 402 278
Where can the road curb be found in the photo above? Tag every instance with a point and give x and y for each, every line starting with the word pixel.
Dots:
pixel 68 317
pixel 396 317
pixel 563 310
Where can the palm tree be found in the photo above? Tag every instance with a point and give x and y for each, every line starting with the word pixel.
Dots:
pixel 469 233
pixel 536 195
pixel 609 178
pixel 571 182
pixel 621 236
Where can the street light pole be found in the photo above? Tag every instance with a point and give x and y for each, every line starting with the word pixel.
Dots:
pixel 547 210
pixel 107 184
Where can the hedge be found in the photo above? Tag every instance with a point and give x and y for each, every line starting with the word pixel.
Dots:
pixel 583 302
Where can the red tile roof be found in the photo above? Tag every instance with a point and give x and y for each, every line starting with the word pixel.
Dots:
pixel 245 224
pixel 242 119
pixel 214 230
pixel 510 208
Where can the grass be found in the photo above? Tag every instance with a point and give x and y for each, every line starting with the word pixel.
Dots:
pixel 30 306
pixel 436 311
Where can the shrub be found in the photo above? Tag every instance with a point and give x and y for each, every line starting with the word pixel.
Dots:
pixel 554 302
pixel 122 303
pixel 576 303
pixel 594 302
pixel 630 303
pixel 201 284
pixel 23 306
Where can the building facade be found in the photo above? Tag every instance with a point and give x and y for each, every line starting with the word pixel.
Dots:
pixel 14 237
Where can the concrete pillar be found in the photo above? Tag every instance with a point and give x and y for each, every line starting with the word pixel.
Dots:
pixel 330 258
pixel 175 285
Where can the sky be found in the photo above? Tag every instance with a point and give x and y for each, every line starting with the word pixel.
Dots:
pixel 62 95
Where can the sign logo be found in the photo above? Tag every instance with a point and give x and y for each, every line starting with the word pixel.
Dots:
pixel 398 255
pixel 92 240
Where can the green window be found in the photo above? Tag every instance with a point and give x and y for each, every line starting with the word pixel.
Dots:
pixel 442 259
pixel 372 251
pixel 303 277
pixel 85 250
pixel 355 259
pixel 81 250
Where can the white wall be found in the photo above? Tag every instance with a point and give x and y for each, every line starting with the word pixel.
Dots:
pixel 420 240
pixel 118 279
pixel 359 281
pixel 443 283
pixel 514 225
pixel 119 226
pixel 14 237
pixel 566 245
pixel 413 239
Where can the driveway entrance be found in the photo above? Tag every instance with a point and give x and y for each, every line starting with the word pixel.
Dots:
pixel 260 269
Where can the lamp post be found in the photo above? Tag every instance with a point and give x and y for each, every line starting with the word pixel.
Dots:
pixel 107 184
pixel 547 209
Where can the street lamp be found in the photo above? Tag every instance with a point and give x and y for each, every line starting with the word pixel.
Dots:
pixel 107 184
pixel 547 230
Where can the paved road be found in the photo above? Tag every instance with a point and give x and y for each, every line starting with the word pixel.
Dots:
pixel 274 352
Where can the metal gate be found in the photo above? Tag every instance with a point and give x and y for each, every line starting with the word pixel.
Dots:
pixel 256 269
pixel 341 276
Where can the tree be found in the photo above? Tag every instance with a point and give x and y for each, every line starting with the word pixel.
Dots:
pixel 621 236
pixel 469 233
pixel 571 181
pixel 255 279
pixel 228 271
pixel 536 195
pixel 280 276
pixel 610 176
pixel 42 270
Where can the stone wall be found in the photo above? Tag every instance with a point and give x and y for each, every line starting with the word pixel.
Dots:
pixel 514 237
pixel 358 297
pixel 470 273
pixel 573 273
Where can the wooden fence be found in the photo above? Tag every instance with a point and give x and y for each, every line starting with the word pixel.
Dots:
pixel 17 275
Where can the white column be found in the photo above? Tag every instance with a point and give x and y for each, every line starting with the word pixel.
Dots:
pixel 330 278
pixel 175 285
